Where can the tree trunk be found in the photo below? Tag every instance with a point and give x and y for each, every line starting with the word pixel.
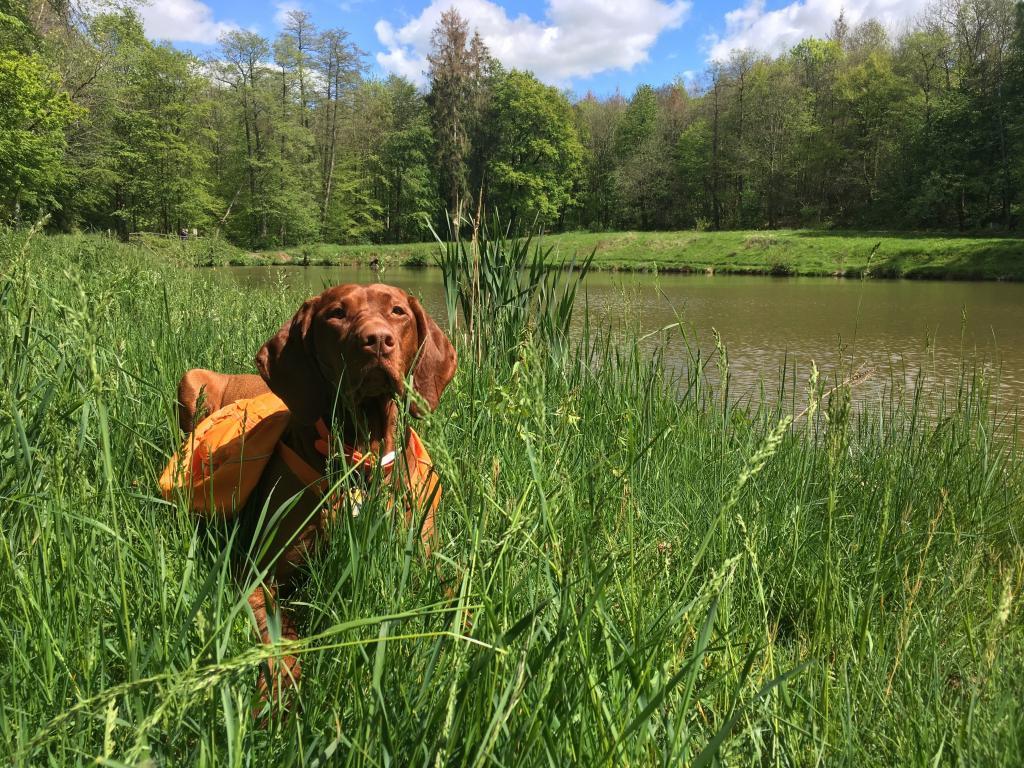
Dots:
pixel 249 166
pixel 398 209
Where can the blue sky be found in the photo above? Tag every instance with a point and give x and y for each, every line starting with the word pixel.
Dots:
pixel 598 45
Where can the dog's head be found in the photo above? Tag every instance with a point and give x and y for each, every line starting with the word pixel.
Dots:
pixel 355 344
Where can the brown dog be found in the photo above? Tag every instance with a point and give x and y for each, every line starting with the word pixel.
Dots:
pixel 343 360
pixel 201 392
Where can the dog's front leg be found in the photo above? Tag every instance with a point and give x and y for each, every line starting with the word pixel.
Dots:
pixel 284 671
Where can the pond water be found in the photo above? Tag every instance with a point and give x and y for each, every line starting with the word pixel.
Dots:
pixel 889 330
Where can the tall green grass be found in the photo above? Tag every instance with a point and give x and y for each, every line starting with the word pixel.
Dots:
pixel 644 574
pixel 501 287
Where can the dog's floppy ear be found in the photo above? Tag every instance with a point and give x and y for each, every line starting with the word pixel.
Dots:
pixel 435 364
pixel 287 363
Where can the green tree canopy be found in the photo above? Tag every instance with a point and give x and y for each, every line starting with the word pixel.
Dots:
pixel 537 157
pixel 277 141
pixel 637 122
pixel 34 115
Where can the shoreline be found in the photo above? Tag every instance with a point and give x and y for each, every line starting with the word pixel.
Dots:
pixel 780 253
pixel 671 269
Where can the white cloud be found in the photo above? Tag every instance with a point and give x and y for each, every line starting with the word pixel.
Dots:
pixel 577 38
pixel 186 21
pixel 774 31
pixel 283 9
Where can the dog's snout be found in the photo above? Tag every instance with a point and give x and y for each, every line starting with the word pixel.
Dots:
pixel 379 341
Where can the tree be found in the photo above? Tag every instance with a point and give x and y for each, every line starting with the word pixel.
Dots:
pixel 638 121
pixel 281 141
pixel 596 125
pixel 867 38
pixel 353 212
pixel 735 137
pixel 135 157
pixel 460 70
pixel 172 93
pixel 537 157
pixel 34 114
pixel 976 114
pixel 294 50
pixel 714 104
pixel 818 66
pixel 637 153
pixel 16 33
pixel 339 70
pixel 867 93
pixel 1015 101
pixel 290 199
pixel 400 161
pixel 240 70
pixel 779 122
pixel 693 169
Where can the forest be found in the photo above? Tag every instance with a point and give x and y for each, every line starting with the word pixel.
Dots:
pixel 292 140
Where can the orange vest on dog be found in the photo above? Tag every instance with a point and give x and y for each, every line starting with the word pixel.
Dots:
pixel 222 460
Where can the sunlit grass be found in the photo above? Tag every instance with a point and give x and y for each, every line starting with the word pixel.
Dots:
pixel 644 575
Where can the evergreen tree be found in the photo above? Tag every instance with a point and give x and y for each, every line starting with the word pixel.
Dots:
pixel 460 72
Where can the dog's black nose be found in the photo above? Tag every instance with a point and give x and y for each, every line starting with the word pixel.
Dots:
pixel 379 341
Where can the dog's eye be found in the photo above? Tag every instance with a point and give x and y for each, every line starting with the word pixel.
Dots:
pixel 397 311
pixel 337 312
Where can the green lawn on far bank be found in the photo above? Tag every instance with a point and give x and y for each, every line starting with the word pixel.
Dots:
pixel 778 252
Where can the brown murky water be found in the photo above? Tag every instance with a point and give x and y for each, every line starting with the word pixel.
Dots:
pixel 898 330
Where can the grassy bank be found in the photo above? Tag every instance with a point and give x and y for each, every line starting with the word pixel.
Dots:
pixel 783 252
pixel 652 577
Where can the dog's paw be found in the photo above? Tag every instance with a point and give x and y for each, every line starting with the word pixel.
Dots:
pixel 279 697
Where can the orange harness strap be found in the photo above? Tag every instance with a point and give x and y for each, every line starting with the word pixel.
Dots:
pixel 305 473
